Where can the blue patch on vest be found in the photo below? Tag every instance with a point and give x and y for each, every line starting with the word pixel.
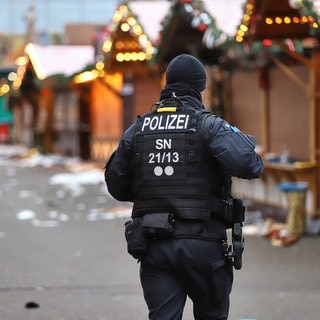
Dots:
pixel 233 129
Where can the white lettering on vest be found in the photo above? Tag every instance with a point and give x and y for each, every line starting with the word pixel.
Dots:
pixel 166 122
pixel 163 144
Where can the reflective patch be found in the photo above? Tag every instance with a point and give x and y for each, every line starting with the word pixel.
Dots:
pixel 233 129
pixel 167 109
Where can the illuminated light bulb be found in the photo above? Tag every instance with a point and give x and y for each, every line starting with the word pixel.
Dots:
pixel 21 61
pixel 246 18
pixel 123 9
pixel 12 76
pixel 16 84
pixel 137 29
pixel 249 6
pixel 107 45
pixel 269 21
pixel 141 56
pixel 120 57
pixel 287 20
pixel 125 27
pixel 134 56
pixel 117 16
pixel 296 20
pixel 131 21
pixel 127 56
pixel 5 88
pixel 143 38
pixel 119 45
pixel 148 56
pixel 244 28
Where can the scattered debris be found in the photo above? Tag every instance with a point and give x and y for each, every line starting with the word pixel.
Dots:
pixel 26 215
pixel 263 221
pixel 278 234
pixel 45 223
pixel 101 214
pixel 32 305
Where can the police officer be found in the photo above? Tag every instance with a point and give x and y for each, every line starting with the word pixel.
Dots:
pixel 175 164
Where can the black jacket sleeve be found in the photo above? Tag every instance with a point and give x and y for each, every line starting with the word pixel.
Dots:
pixel 118 172
pixel 234 150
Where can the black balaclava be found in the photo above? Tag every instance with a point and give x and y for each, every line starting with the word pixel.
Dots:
pixel 185 75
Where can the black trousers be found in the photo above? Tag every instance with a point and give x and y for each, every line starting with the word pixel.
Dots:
pixel 176 268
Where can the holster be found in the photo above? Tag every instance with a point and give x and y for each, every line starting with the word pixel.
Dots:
pixel 237 237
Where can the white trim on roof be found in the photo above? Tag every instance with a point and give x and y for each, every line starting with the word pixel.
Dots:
pixel 150 15
pixel 227 14
pixel 59 59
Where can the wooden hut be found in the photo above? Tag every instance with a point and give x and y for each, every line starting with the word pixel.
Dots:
pixel 261 59
pixel 46 109
pixel 282 108
pixel 123 84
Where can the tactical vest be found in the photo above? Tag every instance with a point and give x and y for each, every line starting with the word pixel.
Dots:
pixel 173 170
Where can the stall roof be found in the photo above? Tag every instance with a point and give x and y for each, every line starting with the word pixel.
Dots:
pixel 150 14
pixel 198 27
pixel 227 14
pixel 134 29
pixel 59 59
pixel 269 19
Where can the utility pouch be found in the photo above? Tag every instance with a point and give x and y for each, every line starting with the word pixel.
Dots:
pixel 137 244
pixel 157 225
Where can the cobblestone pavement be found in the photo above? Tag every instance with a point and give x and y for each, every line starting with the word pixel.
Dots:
pixel 63 255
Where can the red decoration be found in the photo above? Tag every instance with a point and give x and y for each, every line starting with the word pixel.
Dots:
pixel 202 27
pixel 267 42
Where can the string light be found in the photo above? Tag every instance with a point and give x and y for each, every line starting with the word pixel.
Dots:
pixel 137 49
pixel 300 5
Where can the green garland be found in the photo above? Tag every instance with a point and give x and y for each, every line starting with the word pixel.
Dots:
pixel 195 13
pixel 306 7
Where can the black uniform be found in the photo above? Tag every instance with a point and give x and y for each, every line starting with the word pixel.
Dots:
pixel 175 164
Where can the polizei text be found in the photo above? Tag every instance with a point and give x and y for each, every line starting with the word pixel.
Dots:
pixel 166 122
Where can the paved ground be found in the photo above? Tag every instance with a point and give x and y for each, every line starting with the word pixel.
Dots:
pixel 63 253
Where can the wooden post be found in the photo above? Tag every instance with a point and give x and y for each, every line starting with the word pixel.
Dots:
pixel 264 84
pixel 312 115
pixel 314 121
pixel 265 120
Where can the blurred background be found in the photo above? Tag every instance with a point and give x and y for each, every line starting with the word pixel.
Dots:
pixel 52 16
pixel 74 74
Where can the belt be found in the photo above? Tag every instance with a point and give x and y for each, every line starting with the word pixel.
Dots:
pixel 195 230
